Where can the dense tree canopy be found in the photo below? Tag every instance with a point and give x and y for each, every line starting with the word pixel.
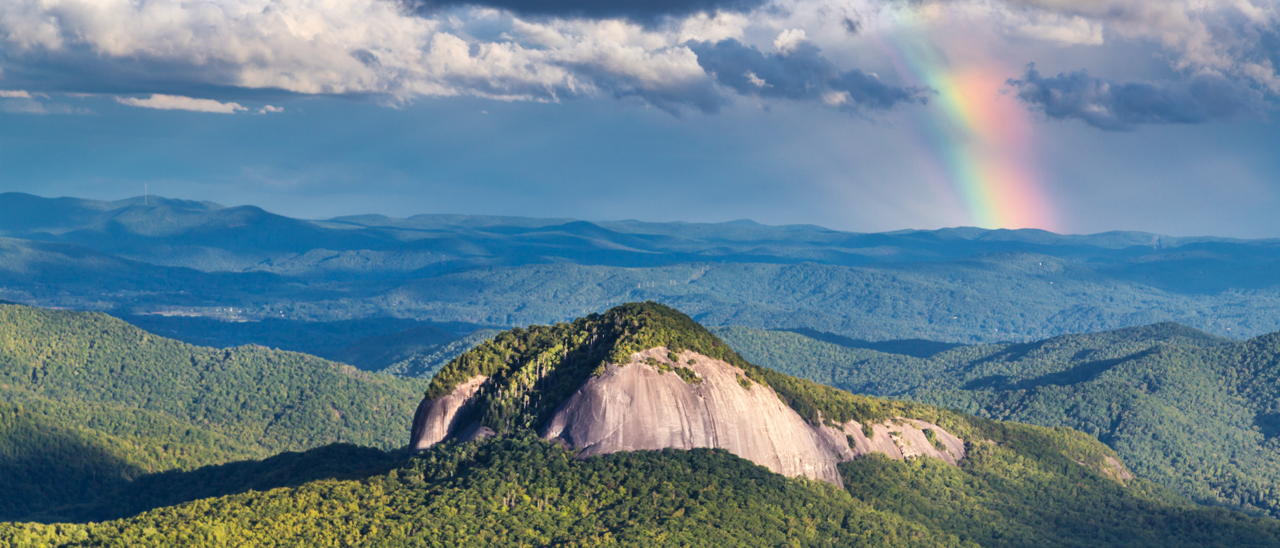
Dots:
pixel 122 402
pixel 1191 411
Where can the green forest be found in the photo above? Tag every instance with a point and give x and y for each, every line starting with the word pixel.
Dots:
pixel 1021 490
pixel 121 437
pixel 532 371
pixel 1188 410
pixel 88 401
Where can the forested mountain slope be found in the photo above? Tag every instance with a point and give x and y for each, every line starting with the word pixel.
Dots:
pixel 1018 485
pixel 123 402
pixel 1188 410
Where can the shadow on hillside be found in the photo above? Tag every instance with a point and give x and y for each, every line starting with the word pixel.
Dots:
pixel 1082 373
pixel 34 482
pixel 126 498
pixel 916 348
pixel 1268 424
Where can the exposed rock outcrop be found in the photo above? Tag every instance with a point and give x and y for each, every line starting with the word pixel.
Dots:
pixel 898 439
pixel 647 404
pixel 637 406
pixel 437 420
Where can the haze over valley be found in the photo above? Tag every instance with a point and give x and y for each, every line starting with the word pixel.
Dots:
pixel 319 338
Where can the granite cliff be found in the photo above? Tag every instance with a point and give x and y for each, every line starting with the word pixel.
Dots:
pixel 646 377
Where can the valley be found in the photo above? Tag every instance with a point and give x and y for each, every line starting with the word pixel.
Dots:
pixel 951 285
pixel 1021 485
pixel 183 372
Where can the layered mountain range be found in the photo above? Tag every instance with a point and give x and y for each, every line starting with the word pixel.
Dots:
pixel 171 263
pixel 626 423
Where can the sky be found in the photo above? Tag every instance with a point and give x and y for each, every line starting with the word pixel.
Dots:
pixel 1076 116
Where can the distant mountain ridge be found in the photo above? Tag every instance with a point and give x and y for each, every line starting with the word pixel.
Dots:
pixel 962 285
pixel 129 227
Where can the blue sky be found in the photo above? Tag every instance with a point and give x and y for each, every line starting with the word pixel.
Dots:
pixel 1141 115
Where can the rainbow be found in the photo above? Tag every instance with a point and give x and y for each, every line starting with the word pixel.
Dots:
pixel 977 141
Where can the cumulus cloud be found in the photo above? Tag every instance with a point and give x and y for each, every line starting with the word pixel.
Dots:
pixel 356 47
pixel 1121 106
pixel 644 11
pixel 674 54
pixel 178 102
pixel 797 71
pixel 1226 36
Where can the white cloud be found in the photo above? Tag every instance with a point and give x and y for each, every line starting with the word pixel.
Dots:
pixel 14 94
pixel 1220 35
pixel 178 102
pixel 713 28
pixel 787 41
pixel 374 47
pixel 350 47
pixel 836 98
pixel 1062 29
pixel 268 109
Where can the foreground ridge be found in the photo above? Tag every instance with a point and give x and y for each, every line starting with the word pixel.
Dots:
pixel 644 376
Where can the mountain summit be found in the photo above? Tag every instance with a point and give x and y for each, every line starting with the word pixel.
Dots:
pixel 644 376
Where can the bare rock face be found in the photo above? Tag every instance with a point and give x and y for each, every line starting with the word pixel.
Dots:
pixel 1117 471
pixel 899 439
pixel 436 420
pixel 646 405
pixel 637 407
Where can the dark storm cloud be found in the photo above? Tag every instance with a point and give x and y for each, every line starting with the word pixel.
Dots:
pixel 1120 106
pixel 801 74
pixel 645 11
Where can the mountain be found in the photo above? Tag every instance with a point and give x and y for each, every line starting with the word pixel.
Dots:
pixel 90 402
pixel 1186 409
pixel 646 377
pixel 157 261
pixel 526 483
pixel 208 236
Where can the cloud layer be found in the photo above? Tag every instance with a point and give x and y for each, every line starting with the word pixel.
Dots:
pixel 674 54
pixel 645 11
pixel 1122 105
pixel 797 71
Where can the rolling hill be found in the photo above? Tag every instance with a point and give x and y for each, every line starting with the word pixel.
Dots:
pixel 90 402
pixel 1186 409
pixel 524 485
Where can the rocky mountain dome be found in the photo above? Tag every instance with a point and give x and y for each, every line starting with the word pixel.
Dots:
pixel 646 377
